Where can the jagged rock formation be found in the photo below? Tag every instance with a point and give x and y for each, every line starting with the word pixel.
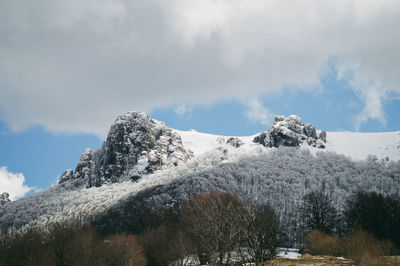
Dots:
pixel 235 142
pixel 4 198
pixel 66 175
pixel 290 131
pixel 83 169
pixel 135 146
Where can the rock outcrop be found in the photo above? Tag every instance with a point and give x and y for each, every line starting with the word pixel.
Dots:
pixel 4 198
pixel 235 142
pixel 135 146
pixel 290 131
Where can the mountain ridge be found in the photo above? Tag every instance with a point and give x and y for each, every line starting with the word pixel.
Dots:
pixel 228 163
pixel 138 145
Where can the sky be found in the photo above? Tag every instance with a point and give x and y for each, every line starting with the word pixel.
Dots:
pixel 68 68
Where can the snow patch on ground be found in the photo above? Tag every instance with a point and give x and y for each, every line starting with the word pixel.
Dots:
pixel 289 253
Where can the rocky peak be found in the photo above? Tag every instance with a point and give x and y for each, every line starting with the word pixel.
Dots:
pixel 4 198
pixel 83 169
pixel 135 146
pixel 66 175
pixel 290 131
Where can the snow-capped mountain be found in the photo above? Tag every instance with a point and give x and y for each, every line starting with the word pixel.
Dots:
pixel 142 161
pixel 137 145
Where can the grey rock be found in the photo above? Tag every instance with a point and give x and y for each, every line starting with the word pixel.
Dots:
pixel 4 198
pixel 289 132
pixel 309 131
pixel 295 127
pixel 66 175
pixel 85 165
pixel 279 118
pixel 135 146
pixel 322 135
pixel 235 142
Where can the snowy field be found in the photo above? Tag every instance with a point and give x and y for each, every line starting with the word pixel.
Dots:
pixel 353 144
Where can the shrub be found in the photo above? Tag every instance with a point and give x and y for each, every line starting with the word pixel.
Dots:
pixel 364 249
pixel 320 243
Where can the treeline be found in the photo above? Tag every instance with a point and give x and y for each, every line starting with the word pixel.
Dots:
pixel 69 244
pixel 280 179
pixel 323 229
pixel 212 228
pixel 215 228
pixel 365 231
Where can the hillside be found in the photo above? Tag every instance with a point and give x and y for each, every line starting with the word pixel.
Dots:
pixel 143 162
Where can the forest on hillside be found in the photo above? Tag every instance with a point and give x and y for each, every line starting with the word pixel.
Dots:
pixel 280 179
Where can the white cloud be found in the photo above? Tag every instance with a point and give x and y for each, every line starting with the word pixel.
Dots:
pixel 373 98
pixel 72 66
pixel 13 184
pixel 256 112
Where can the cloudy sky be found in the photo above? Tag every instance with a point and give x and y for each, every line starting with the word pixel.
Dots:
pixel 68 68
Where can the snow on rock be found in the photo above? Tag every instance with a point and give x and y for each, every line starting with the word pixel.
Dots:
pixel 235 142
pixel 290 131
pixel 135 146
pixel 145 150
pixel 66 176
pixel 4 198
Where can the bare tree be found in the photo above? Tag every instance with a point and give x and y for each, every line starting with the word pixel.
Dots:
pixel 261 233
pixel 86 248
pixel 125 250
pixel 60 236
pixel 211 222
pixel 317 212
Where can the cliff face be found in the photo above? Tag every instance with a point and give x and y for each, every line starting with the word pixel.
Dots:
pixel 290 131
pixel 135 146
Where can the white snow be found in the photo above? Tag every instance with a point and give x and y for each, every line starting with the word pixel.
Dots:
pixel 353 144
pixel 209 150
pixel 359 145
pixel 198 142
pixel 289 253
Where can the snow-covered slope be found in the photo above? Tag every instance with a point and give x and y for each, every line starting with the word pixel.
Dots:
pixel 141 153
pixel 137 146
pixel 356 145
pixel 384 145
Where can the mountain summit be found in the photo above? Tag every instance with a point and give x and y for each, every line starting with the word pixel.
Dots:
pixel 135 146
pixel 169 166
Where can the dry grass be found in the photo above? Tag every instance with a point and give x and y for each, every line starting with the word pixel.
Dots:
pixel 393 260
pixel 310 260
